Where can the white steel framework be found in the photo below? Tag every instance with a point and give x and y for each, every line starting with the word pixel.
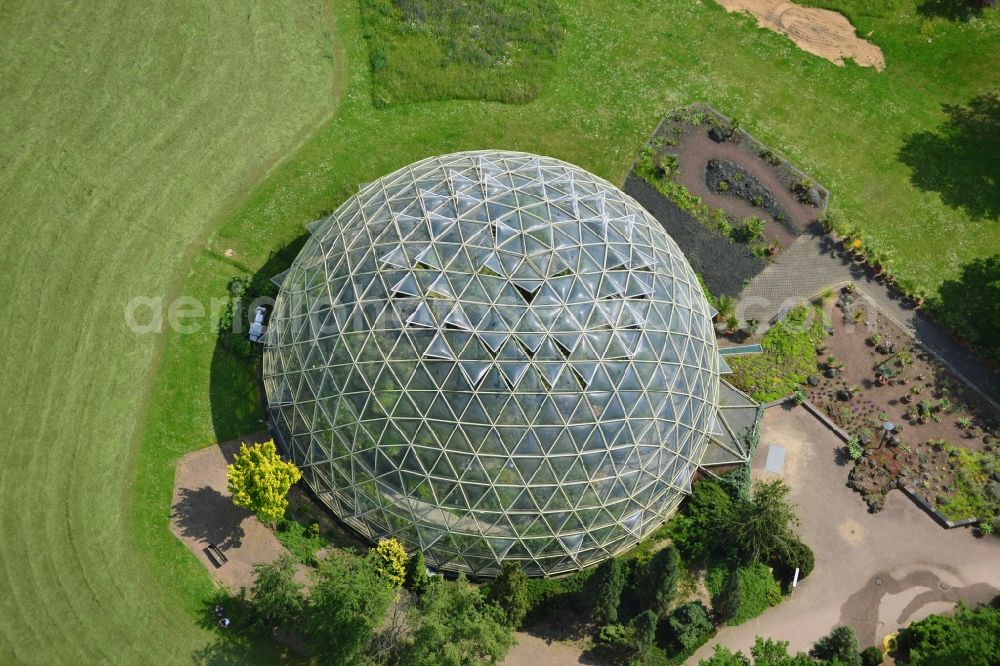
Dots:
pixel 492 356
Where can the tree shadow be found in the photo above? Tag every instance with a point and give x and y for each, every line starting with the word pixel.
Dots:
pixel 207 515
pixel 954 10
pixel 959 159
pixel 243 642
pixel 236 393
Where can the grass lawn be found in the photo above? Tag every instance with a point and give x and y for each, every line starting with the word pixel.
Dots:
pixel 128 129
pixel 132 142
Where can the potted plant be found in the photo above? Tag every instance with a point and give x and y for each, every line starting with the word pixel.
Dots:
pixel 732 323
pixel 924 410
pixel 874 339
pixel 881 380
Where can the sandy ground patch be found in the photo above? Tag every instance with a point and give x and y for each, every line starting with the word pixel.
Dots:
pixel 202 512
pixel 821 32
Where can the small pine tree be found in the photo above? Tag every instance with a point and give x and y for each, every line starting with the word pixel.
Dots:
pixel 259 480
pixel 644 632
pixel 509 591
pixel 390 559
pixel 416 573
pixel 727 604
pixel 609 580
pixel 666 569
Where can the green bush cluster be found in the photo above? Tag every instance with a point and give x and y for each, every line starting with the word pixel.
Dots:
pixel 243 291
pixel 427 50
pixel 746 593
pixel 789 356
pixel 968 637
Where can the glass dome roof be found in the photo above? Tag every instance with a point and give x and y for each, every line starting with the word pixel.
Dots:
pixel 492 356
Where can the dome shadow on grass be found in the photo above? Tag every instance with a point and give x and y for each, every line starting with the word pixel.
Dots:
pixel 237 400
pixel 959 159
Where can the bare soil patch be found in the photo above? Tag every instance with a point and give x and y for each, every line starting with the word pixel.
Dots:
pixel 821 32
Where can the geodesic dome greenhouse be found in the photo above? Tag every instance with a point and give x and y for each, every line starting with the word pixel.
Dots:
pixel 494 356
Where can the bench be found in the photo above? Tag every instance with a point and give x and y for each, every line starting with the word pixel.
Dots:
pixel 216 555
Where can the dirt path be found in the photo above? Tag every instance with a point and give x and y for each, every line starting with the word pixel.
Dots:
pixel 203 513
pixel 821 32
pixel 875 573
pixel 698 149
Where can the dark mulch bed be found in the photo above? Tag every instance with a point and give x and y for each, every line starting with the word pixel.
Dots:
pixel 723 265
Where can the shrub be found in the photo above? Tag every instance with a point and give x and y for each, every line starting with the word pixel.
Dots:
pixel 690 625
pixel 795 554
pixel 871 656
pixel 614 635
pixel 509 591
pixel 547 595
pixel 839 646
pixel 390 558
pixel 747 592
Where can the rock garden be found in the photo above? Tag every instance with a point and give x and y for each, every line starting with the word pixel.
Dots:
pixel 699 167
pixel 911 422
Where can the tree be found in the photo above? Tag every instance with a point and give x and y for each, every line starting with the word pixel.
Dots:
pixel 416 572
pixel 390 559
pixel 710 512
pixel 259 480
pixel 840 645
pixel 644 632
pixel 348 602
pixel 761 527
pixel 724 657
pixel 609 580
pixel 509 591
pixel 765 652
pixel 277 596
pixel 454 627
pixel 666 569
pixel 690 624
pixel 969 637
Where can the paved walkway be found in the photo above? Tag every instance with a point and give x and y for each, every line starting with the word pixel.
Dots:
pixel 875 573
pixel 203 512
pixel 812 265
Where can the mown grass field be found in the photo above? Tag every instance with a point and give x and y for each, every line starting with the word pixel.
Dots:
pixel 127 130
pixel 128 166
